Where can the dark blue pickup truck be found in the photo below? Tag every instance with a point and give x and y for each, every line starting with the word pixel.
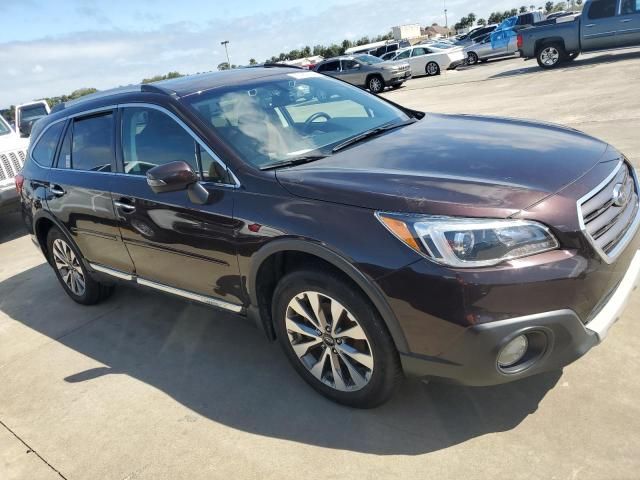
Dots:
pixel 602 25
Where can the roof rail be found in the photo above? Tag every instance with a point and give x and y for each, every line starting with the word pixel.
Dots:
pixel 280 65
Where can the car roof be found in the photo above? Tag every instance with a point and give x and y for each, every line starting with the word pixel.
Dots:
pixel 184 86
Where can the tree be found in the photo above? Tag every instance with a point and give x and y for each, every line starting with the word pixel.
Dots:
pixel 471 19
pixel 523 9
pixel 482 22
pixel 548 7
pixel 252 61
pixel 223 66
pixel 559 7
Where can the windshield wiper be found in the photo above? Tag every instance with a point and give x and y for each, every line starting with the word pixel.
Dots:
pixel 371 133
pixel 292 161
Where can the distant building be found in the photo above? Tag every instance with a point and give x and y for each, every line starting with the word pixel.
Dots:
pixel 409 31
pixel 436 31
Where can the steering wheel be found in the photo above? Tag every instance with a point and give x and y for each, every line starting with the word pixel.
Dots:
pixel 314 117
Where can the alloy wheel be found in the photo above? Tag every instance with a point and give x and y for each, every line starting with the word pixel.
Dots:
pixel 69 267
pixel 432 69
pixel 472 58
pixel 550 56
pixel 375 85
pixel 329 341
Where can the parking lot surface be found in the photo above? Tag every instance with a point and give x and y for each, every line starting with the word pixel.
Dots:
pixel 146 386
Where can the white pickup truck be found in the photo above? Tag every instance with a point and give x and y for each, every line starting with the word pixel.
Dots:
pixel 13 151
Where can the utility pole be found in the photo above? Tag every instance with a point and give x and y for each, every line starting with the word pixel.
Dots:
pixel 226 50
pixel 446 21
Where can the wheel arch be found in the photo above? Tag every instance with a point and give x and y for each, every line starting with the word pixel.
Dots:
pixel 261 280
pixel 42 224
pixel 374 74
pixel 546 41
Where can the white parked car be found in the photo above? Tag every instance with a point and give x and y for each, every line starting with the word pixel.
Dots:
pixel 13 151
pixel 29 113
pixel 431 59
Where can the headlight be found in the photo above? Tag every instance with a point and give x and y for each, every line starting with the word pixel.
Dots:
pixel 469 242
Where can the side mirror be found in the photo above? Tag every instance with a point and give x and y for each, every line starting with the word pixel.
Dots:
pixel 171 177
pixel 176 176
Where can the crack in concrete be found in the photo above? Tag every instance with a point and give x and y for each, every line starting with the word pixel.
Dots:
pixel 30 449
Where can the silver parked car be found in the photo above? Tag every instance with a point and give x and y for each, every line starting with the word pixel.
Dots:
pixel 366 71
pixel 484 49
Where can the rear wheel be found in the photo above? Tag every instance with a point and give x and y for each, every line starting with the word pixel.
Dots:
pixel 432 68
pixel 67 262
pixel 375 84
pixel 335 339
pixel 551 55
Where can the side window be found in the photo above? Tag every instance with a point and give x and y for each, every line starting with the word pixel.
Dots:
pixel 212 171
pixel 92 144
pixel 349 64
pixel 403 55
pixel 151 138
pixel 418 51
pixel 330 67
pixel 45 149
pixel 602 9
pixel 629 7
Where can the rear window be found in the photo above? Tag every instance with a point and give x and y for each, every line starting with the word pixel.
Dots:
pixel 45 149
pixel 602 9
pixel 329 67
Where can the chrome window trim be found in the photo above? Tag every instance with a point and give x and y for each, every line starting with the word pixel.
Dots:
pixel 631 231
pixel 236 182
pixel 112 272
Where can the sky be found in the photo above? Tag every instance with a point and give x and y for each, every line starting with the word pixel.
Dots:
pixel 52 47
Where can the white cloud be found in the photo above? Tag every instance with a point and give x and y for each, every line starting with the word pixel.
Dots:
pixel 109 58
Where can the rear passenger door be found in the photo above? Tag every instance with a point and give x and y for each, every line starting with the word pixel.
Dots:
pixel 600 26
pixel 331 68
pixel 78 189
pixel 629 23
pixel 174 243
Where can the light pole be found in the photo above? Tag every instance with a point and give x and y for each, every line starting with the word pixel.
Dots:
pixel 446 21
pixel 225 43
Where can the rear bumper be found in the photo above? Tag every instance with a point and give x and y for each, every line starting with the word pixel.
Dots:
pixel 562 338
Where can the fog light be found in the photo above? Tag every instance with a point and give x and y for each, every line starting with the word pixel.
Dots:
pixel 513 351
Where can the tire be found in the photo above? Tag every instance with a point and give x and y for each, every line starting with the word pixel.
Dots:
pixel 551 55
pixel 324 365
pixel 375 84
pixel 432 69
pixel 76 281
pixel 472 58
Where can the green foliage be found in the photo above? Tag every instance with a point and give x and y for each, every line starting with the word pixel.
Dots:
pixel 333 50
pixel 548 7
pixel 465 22
pixel 482 22
pixel 157 78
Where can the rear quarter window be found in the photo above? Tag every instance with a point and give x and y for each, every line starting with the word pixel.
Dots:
pixel 45 148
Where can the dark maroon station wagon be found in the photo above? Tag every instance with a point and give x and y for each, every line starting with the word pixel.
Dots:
pixel 367 238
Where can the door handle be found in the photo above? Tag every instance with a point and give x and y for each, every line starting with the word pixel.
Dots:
pixel 125 205
pixel 625 20
pixel 590 25
pixel 57 190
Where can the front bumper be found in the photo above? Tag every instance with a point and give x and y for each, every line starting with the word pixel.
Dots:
pixel 398 77
pixel 456 64
pixel 472 360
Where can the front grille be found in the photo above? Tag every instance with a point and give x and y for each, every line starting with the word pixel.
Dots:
pixel 609 214
pixel 11 163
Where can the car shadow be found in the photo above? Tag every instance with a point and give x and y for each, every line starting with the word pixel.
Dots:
pixel 578 63
pixel 11 226
pixel 222 367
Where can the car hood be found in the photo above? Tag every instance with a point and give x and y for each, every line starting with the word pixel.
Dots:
pixel 451 165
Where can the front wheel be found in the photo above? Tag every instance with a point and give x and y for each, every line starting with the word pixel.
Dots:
pixel 432 68
pixel 550 56
pixel 472 58
pixel 375 84
pixel 335 339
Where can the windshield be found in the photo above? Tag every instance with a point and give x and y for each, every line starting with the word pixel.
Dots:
pixel 368 59
pixel 4 128
pixel 31 112
pixel 442 46
pixel 281 118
